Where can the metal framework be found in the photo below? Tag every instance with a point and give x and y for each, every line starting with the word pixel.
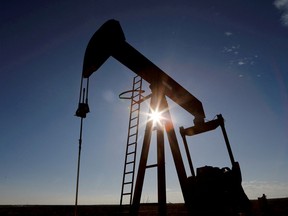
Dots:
pixel 108 41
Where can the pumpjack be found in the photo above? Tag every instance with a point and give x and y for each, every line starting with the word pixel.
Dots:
pixel 210 189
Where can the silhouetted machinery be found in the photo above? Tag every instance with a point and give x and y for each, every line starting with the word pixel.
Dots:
pixel 210 189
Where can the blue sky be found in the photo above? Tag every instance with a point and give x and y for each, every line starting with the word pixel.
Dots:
pixel 232 55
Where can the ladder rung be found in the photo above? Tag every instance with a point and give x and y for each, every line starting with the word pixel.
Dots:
pixel 134 98
pixel 130 172
pixel 132 152
pixel 133 118
pixel 132 143
pixel 128 182
pixel 126 194
pixel 132 135
pixel 152 165
pixel 137 81
pixel 135 102
pixel 137 90
pixel 136 95
pixel 130 162
pixel 134 110
pixel 133 126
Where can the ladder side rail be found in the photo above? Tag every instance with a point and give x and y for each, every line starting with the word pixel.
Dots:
pixel 136 138
pixel 126 152
pixel 134 107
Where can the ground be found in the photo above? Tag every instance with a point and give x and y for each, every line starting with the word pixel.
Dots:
pixel 273 207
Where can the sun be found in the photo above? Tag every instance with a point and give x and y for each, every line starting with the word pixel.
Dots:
pixel 155 116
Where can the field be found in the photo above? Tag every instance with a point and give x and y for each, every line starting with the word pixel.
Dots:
pixel 273 207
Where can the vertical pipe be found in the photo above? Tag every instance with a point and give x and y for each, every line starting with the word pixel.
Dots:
pixel 80 94
pixel 79 157
pixel 87 89
pixel 78 168
pixel 187 151
pixel 226 139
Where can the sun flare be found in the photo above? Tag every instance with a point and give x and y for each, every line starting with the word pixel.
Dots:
pixel 155 116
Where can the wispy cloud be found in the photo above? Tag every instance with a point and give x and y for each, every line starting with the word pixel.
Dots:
pixel 228 34
pixel 237 57
pixel 282 5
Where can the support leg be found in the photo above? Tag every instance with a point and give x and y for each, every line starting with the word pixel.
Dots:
pixel 176 153
pixel 161 171
pixel 142 168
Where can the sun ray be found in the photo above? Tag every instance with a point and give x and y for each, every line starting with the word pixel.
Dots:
pixel 156 117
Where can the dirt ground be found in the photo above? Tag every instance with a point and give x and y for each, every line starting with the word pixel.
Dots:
pixel 270 207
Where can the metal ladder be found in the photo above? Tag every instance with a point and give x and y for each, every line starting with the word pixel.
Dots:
pixel 131 146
